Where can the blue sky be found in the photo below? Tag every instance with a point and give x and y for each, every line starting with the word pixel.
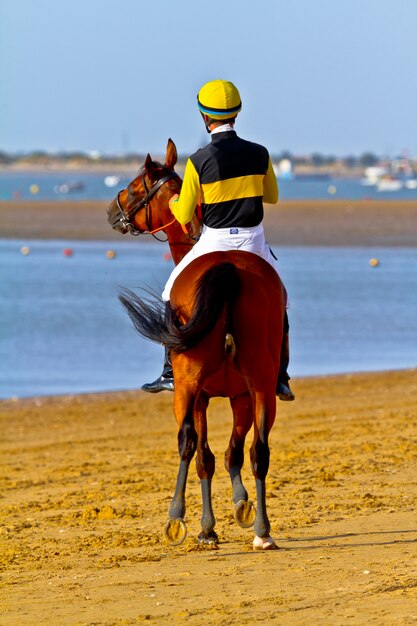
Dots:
pixel 332 76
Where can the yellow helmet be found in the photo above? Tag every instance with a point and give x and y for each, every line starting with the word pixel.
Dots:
pixel 219 99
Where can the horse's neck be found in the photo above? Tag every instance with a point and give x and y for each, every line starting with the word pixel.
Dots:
pixel 179 243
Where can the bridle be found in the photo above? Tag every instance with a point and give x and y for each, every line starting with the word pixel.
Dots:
pixel 124 218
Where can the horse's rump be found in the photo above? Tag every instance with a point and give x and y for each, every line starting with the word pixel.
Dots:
pixel 252 313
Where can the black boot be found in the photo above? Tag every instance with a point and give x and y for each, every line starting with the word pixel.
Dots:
pixel 283 390
pixel 166 380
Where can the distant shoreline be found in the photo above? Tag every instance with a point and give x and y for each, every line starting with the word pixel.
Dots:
pixel 128 167
pixel 350 223
pixel 59 168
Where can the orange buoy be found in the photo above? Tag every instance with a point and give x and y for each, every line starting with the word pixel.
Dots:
pixel 374 262
pixel 111 254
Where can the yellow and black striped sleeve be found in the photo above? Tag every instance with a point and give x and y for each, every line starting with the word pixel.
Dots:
pixel 184 208
pixel 270 194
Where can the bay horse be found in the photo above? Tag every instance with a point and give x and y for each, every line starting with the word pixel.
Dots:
pixel 223 326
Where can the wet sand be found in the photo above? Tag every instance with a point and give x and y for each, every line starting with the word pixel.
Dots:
pixel 86 484
pixel 86 481
pixel 291 222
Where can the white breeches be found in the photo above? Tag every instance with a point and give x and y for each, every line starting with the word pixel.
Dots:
pixel 212 239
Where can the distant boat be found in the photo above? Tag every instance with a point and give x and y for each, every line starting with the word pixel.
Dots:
pixel 389 183
pixel 389 179
pixel 70 186
pixel 283 171
pixel 111 181
pixel 373 175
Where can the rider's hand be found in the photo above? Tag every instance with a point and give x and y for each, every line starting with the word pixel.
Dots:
pixel 173 201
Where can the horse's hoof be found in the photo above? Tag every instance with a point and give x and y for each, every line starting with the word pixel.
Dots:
pixel 244 513
pixel 175 531
pixel 264 543
pixel 208 539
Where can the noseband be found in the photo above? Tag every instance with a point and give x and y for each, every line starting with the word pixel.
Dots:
pixel 125 218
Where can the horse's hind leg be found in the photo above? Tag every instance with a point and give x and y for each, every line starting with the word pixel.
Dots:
pixel 175 530
pixel 242 407
pixel 265 406
pixel 205 471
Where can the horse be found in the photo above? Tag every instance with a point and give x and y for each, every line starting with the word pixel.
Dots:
pixel 224 328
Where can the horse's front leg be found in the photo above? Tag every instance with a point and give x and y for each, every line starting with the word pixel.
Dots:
pixel 242 408
pixel 265 406
pixel 175 530
pixel 205 471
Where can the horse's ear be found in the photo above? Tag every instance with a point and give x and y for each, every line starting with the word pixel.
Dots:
pixel 148 163
pixel 171 155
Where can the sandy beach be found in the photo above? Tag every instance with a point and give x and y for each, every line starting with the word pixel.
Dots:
pixel 86 480
pixel 291 222
pixel 86 483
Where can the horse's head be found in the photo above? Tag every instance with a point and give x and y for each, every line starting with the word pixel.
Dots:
pixel 143 206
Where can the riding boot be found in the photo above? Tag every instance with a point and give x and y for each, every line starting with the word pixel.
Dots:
pixel 283 390
pixel 166 380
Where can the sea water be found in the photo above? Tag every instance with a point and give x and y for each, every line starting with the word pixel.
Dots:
pixel 63 330
pixel 92 186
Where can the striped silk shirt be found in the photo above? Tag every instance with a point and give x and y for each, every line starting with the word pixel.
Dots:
pixel 230 178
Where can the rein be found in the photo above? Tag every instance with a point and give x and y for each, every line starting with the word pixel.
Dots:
pixel 156 230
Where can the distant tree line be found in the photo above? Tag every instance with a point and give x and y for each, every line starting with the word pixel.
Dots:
pixel 40 156
pixel 367 159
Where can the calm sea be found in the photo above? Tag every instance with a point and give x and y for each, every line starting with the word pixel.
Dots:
pixel 88 186
pixel 62 329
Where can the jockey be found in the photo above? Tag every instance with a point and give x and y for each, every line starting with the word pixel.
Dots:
pixel 231 178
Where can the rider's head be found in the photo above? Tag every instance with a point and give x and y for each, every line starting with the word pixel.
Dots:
pixel 219 103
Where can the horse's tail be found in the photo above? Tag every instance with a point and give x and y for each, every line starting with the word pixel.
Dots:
pixel 217 288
